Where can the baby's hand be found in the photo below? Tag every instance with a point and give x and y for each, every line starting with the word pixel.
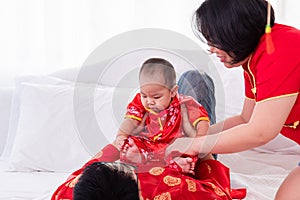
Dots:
pixel 119 141
pixel 130 152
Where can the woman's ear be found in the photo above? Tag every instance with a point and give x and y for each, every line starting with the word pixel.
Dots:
pixel 174 91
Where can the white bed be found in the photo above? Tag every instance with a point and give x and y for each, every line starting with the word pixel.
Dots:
pixel 48 128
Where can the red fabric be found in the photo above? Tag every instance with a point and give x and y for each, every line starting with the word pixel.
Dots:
pixel 149 150
pixel 277 74
pixel 65 191
pixel 161 128
pixel 170 183
pixel 136 110
pixel 205 186
pixel 211 181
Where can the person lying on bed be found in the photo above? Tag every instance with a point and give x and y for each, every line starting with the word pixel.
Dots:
pixel 102 180
pixel 153 120
pixel 119 181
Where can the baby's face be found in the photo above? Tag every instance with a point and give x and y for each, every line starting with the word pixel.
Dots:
pixel 155 97
pixel 154 94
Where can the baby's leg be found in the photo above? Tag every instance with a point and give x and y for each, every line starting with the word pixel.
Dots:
pixel 186 164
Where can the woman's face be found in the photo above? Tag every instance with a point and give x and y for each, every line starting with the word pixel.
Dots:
pixel 225 58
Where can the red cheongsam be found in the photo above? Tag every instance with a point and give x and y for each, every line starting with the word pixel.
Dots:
pixel 168 183
pixel 276 75
pixel 162 182
pixel 164 127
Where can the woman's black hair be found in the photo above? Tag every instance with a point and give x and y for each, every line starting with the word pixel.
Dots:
pixel 234 26
pixel 106 181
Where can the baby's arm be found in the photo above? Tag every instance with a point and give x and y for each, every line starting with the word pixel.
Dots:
pixel 202 128
pixel 189 130
pixel 127 128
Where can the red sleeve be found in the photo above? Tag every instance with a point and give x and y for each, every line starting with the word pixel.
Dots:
pixel 196 111
pixel 135 109
pixel 248 86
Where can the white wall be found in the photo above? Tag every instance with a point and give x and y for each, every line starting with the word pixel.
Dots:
pixel 42 36
pixel 289 12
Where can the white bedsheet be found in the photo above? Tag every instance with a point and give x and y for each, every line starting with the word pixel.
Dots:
pixel 261 173
pixel 28 185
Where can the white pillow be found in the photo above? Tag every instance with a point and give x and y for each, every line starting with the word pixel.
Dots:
pixel 5 104
pixel 57 130
pixel 15 106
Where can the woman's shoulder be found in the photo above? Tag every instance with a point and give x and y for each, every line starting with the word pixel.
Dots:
pixel 284 33
pixel 286 41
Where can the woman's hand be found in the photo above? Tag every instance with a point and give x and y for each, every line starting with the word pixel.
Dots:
pixel 186 145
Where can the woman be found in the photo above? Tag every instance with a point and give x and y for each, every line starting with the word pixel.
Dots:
pixel 235 32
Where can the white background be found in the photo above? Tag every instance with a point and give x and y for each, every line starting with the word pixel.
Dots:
pixel 42 36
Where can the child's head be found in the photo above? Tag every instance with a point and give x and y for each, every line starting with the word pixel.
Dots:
pixel 107 181
pixel 157 84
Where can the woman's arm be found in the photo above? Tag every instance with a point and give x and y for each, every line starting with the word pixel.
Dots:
pixel 242 118
pixel 265 123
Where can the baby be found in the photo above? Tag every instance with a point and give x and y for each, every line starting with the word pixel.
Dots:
pixel 157 116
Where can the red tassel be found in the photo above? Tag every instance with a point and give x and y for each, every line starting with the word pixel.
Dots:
pixel 269 44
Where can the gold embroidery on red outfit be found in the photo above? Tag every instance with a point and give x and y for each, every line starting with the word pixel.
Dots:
pixel 228 190
pixel 156 137
pixel 156 171
pixel 163 196
pixel 200 119
pixel 251 76
pixel 217 190
pixel 191 185
pixel 73 182
pixel 208 168
pixel 292 125
pixel 171 181
pixel 133 117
